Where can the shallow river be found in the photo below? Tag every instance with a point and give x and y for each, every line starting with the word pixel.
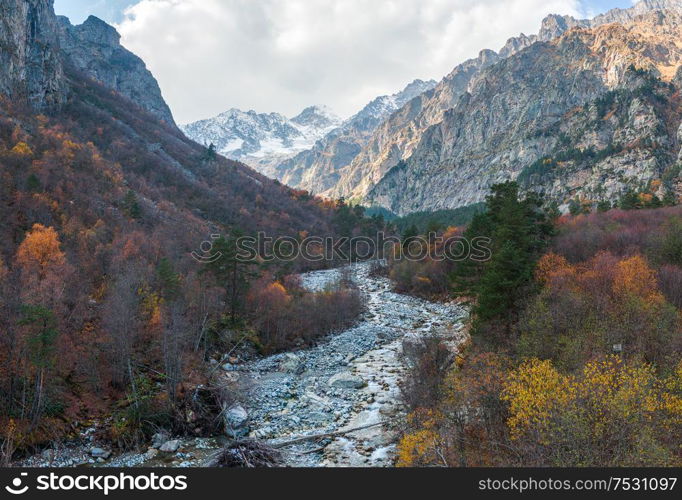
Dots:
pixel 350 380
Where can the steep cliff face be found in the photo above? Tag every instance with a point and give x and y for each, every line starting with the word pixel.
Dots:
pixel 30 64
pixel 396 139
pixel 397 136
pixel 35 44
pixel 574 104
pixel 320 168
pixel 94 48
pixel 351 165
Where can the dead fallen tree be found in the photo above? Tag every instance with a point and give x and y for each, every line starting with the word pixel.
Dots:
pixel 247 454
pixel 317 437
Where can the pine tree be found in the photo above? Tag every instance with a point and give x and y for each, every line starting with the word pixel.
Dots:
pixel 131 206
pixel 409 235
pixel 604 206
pixel 498 288
pixel 169 279
pixel 518 230
pixel 211 154
pixel 576 207
pixel 629 200
pixel 655 202
pixel 41 339
pixel 33 183
pixel 231 273
pixel 669 198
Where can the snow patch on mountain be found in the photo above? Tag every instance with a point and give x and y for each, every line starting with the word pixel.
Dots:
pixel 259 139
pixel 318 169
pixel 374 113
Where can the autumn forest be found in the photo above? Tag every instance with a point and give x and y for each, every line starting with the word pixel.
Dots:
pixel 134 332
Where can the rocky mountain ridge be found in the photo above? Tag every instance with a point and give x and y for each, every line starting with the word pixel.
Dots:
pixel 37 45
pixel 319 169
pixel 30 62
pixel 606 90
pixel 94 48
pixel 396 139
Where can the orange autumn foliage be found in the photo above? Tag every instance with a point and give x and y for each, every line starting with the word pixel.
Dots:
pixel 591 307
pixel 551 265
pixel 40 250
pixel 634 277
pixel 22 149
pixel 422 446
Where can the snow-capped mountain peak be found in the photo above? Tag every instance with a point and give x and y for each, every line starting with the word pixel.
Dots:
pixel 319 117
pixel 261 138
pixel 383 106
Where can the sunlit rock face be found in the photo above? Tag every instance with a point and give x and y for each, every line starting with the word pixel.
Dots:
pixel 489 119
pixel 321 168
pixel 588 90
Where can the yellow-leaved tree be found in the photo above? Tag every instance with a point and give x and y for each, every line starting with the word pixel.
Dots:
pixel 612 413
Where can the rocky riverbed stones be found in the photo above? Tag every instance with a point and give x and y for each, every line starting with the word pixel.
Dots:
pixel 346 380
pixel 100 453
pixel 279 402
pixel 170 446
pixel 292 364
pixel 236 419
pixel 352 379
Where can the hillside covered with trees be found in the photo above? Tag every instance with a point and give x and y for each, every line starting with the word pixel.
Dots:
pixel 104 313
pixel 574 358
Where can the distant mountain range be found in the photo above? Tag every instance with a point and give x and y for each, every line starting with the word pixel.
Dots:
pixel 594 100
pixel 263 140
pixel 320 168
pixel 584 111
pixel 270 142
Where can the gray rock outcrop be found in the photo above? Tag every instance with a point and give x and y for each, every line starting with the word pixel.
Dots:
pixel 320 169
pixel 95 49
pixel 575 104
pixel 30 64
pixel 346 380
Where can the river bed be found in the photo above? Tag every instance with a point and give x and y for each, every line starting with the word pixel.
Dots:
pixel 350 380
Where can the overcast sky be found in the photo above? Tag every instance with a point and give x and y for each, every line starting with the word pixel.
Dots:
pixel 284 55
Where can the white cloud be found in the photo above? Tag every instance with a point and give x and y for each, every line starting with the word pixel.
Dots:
pixel 283 55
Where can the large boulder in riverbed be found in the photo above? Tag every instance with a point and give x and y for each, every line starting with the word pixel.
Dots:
pixel 292 364
pixel 346 380
pixel 413 346
pixel 100 453
pixel 159 439
pixel 236 418
pixel 170 446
